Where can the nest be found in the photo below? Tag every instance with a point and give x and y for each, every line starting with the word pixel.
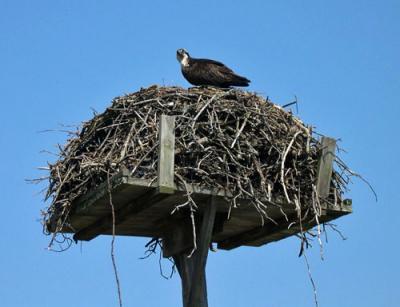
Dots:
pixel 224 138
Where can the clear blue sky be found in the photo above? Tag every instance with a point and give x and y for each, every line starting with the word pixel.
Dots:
pixel 58 59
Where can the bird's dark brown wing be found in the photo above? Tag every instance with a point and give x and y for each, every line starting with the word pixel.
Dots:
pixel 210 72
pixel 208 61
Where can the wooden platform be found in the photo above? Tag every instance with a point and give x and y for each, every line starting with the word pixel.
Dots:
pixel 143 208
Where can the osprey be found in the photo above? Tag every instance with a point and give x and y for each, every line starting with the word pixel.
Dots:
pixel 208 72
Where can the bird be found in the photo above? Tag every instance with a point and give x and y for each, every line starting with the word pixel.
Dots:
pixel 205 72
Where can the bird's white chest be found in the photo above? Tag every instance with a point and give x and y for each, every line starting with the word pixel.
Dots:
pixel 185 61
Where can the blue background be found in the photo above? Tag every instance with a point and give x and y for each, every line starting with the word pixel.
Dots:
pixel 59 59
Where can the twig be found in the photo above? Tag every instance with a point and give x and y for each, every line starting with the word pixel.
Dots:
pixel 113 240
pixel 283 167
pixel 311 280
pixel 202 109
pixel 240 131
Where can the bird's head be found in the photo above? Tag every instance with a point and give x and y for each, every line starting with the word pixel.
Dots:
pixel 183 57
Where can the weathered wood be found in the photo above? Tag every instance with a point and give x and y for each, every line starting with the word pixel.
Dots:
pixel 178 237
pixel 283 232
pixel 325 166
pixel 270 232
pixel 198 289
pixel 105 223
pixel 84 203
pixel 166 155
pixel 185 269
pixel 94 212
pixel 192 270
pixel 258 232
pixel 141 211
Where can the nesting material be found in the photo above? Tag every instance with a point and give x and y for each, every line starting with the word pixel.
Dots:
pixel 227 139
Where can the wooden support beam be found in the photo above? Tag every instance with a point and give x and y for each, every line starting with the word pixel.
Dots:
pixel 192 270
pixel 325 166
pixel 166 155
pixel 185 269
pixel 178 238
pixel 105 223
pixel 271 232
pixel 177 232
pixel 255 234
pixel 198 289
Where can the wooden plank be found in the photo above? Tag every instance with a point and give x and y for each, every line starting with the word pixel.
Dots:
pixel 166 155
pixel 85 202
pixel 325 166
pixel 89 201
pixel 254 234
pixel 105 223
pixel 270 232
pixel 285 233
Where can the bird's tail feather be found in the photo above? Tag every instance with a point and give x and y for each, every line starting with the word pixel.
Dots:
pixel 241 81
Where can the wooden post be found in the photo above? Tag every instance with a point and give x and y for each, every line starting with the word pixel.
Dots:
pixel 178 235
pixel 166 155
pixel 185 269
pixel 193 270
pixel 325 166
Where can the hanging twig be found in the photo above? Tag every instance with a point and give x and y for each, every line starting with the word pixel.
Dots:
pixel 113 240
pixel 311 280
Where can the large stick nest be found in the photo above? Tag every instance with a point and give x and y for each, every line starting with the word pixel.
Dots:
pixel 227 139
